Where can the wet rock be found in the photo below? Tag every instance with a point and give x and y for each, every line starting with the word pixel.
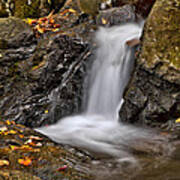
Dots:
pixel 92 7
pixel 153 94
pixel 48 161
pixel 116 16
pixel 142 7
pixel 40 80
pixel 32 9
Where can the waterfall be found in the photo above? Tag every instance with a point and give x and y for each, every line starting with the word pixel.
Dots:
pixel 98 128
pixel 111 69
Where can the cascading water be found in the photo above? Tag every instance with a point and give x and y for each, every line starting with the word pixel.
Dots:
pixel 98 128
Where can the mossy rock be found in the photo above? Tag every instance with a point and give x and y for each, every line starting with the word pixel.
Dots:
pixel 3 11
pixel 90 7
pixel 36 8
pixel 10 27
pixel 161 44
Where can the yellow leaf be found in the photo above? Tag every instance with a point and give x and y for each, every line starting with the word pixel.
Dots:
pixel 41 64
pixel 4 163
pixel 72 10
pixel 14 147
pixel 8 122
pixel 46 111
pixel 4 128
pixel 30 21
pixel 26 147
pixel 49 2
pixel 55 30
pixel 12 132
pixel 104 21
pixel 178 120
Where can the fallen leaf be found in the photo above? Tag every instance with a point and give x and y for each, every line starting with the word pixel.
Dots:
pixel 26 147
pixel 21 136
pixel 36 138
pixel 4 163
pixel 41 64
pixel 46 111
pixel 8 122
pixel 62 168
pixel 72 10
pixel 25 162
pixel 14 147
pixel 12 132
pixel 30 21
pixel 104 21
pixel 40 29
pixel 178 120
pixel 4 128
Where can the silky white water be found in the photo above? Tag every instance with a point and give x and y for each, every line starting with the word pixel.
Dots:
pixel 98 128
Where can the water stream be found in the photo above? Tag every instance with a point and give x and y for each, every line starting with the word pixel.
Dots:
pixel 98 129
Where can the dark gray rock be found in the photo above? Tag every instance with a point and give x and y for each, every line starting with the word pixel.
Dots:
pixel 153 95
pixel 150 99
pixel 40 80
pixel 116 16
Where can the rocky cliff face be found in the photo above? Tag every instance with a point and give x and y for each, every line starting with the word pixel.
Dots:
pixel 153 95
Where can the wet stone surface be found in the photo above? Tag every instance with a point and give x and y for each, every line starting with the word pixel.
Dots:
pixel 153 94
pixel 48 161
pixel 40 78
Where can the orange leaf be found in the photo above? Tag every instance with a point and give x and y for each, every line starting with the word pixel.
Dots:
pixel 21 136
pixel 8 122
pixel 40 29
pixel 51 21
pixel 25 162
pixel 36 138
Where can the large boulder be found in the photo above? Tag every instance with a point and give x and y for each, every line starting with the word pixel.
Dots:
pixel 41 80
pixel 153 94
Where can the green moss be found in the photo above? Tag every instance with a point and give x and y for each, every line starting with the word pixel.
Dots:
pixel 3 12
pixel 162 35
pixel 23 10
pixel 90 6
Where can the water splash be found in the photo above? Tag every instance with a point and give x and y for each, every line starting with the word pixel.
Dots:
pixel 98 128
